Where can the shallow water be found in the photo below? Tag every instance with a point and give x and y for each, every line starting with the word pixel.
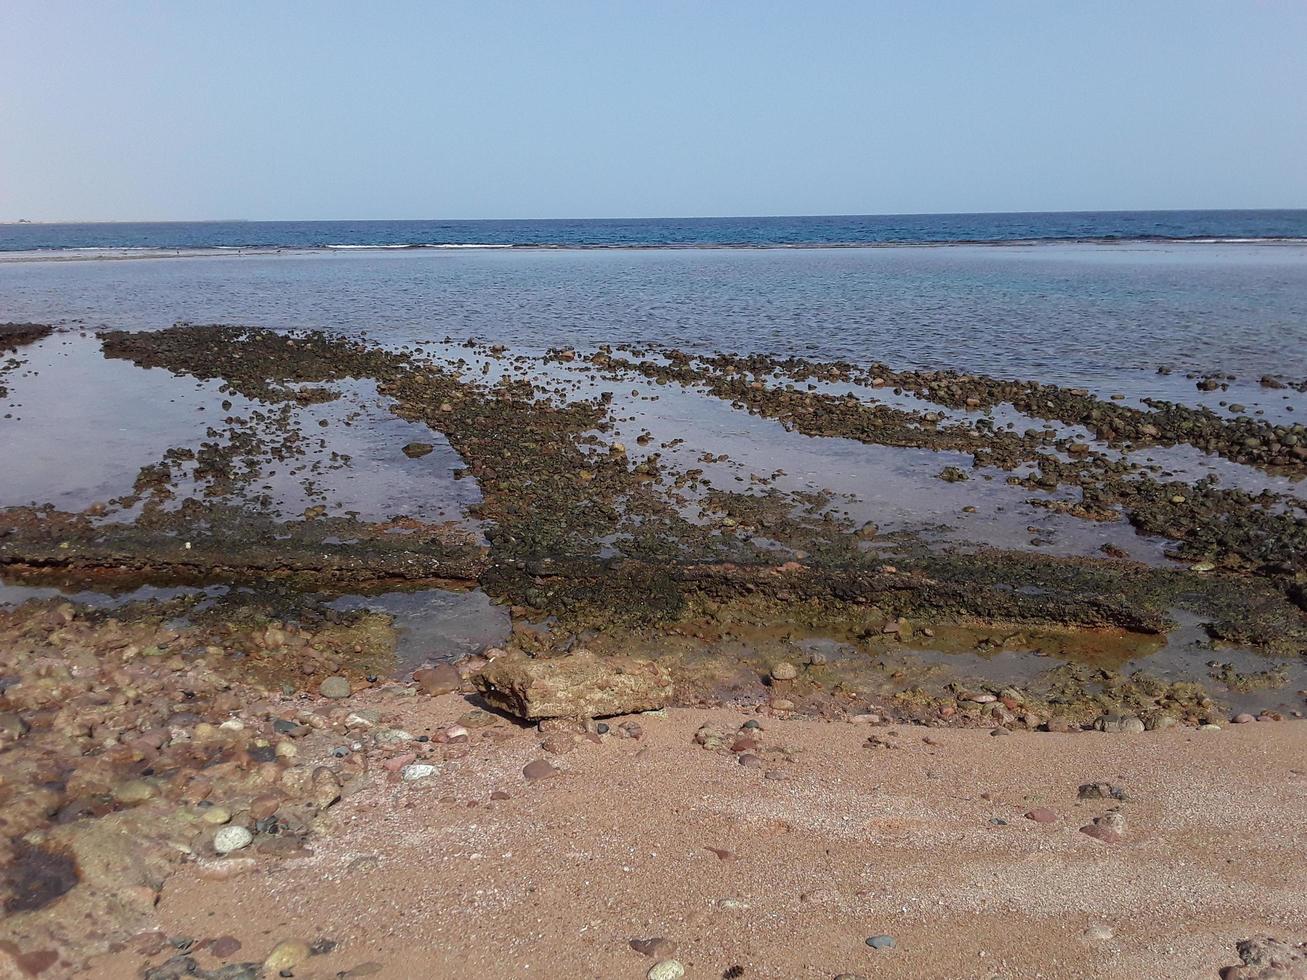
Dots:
pixel 1104 316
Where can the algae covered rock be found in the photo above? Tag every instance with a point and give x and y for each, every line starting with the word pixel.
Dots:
pixel 578 685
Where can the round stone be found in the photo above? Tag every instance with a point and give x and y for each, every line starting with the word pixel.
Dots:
pixel 216 815
pixel 666 970
pixel 880 942
pixel 230 839
pixel 784 672
pixel 286 956
pixel 335 687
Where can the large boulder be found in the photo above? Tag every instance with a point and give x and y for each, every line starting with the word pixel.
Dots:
pixel 578 685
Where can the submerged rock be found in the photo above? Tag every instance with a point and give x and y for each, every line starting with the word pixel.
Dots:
pixel 579 685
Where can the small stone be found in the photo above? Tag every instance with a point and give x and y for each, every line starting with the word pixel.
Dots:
pixel 438 679
pixel 880 942
pixel 215 815
pixel 784 672
pixel 133 791
pixel 417 770
pixel 751 761
pixel 656 947
pixel 225 947
pixel 1243 719
pixel 539 769
pixel 335 687
pixel 1100 833
pixel 230 839
pixel 1099 933
pixel 1209 727
pixel 1041 814
pixel 1124 724
pixel 416 450
pixel 666 970
pixel 286 956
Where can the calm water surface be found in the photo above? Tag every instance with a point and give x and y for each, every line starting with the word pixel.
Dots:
pixel 1083 313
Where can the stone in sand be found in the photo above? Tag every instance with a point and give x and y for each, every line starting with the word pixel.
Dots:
pixel 335 687
pixel 579 685
pixel 230 839
pixel 666 970
pixel 286 956
pixel 416 450
pixel 438 679
pixel 539 769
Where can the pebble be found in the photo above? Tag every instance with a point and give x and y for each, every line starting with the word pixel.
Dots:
pixel 656 947
pixel 216 815
pixel 1100 933
pixel 225 947
pixel 438 679
pixel 1243 719
pixel 1126 724
pixel 751 761
pixel 1100 833
pixel 133 791
pixel 230 839
pixel 784 672
pixel 417 770
pixel 286 956
pixel 1209 727
pixel 666 970
pixel 880 942
pixel 1041 814
pixel 335 687
pixel 539 769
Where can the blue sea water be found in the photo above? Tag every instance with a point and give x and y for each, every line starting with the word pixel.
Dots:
pixel 1098 299
pixel 848 230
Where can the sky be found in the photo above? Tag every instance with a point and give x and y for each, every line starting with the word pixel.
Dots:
pixel 308 109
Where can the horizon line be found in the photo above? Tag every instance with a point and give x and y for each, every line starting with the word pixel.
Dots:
pixel 684 217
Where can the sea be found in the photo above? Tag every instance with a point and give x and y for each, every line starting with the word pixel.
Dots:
pixel 1099 298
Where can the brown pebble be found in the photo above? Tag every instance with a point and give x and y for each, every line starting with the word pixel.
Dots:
pixel 658 947
pixel 539 769
pixel 751 761
pixel 1041 814
pixel 224 947
pixel 1101 833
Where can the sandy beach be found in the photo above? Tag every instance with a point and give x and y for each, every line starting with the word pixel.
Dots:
pixel 784 870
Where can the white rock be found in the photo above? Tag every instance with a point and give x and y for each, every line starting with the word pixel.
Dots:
pixel 230 839
pixel 666 970
pixel 417 770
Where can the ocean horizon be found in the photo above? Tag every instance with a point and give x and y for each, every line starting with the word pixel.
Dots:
pixel 798 231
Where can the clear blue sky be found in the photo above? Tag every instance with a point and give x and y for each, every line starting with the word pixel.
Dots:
pixel 323 109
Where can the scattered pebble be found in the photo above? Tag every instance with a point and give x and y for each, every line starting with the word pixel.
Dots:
pixel 666 970
pixel 230 839
pixel 335 687
pixel 417 770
